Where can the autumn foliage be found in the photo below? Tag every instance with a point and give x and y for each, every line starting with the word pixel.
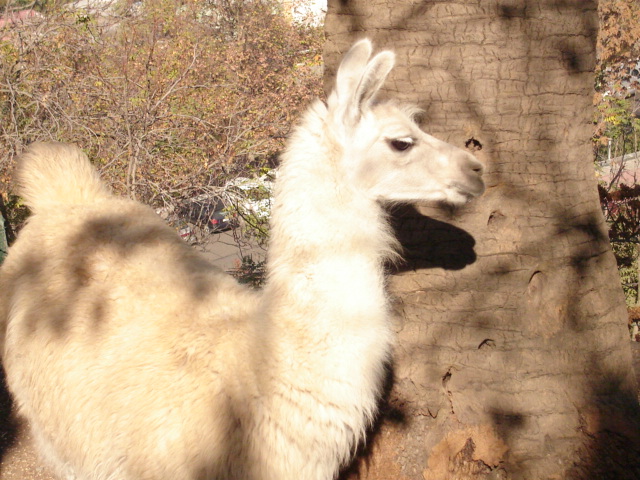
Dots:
pixel 619 30
pixel 167 98
pixel 618 54
pixel 622 209
pixel 617 133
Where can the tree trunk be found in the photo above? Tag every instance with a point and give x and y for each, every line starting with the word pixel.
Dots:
pixel 512 357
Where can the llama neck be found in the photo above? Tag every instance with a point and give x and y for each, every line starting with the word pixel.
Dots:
pixel 328 241
pixel 323 335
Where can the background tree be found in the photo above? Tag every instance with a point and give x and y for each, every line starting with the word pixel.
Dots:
pixel 617 136
pixel 513 356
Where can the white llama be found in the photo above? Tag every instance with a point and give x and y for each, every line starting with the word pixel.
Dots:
pixel 134 359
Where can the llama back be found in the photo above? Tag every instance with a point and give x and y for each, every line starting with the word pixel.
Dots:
pixel 50 174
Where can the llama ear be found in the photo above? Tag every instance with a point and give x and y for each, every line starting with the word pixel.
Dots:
pixel 358 80
pixel 373 77
pixel 351 69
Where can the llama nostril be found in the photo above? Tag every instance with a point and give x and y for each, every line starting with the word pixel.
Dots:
pixel 474 165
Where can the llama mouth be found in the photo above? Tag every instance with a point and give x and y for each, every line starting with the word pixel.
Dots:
pixel 473 189
pixel 460 196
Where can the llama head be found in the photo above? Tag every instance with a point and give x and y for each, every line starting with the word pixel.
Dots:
pixel 385 153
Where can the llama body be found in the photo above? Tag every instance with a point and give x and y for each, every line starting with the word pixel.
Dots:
pixel 133 358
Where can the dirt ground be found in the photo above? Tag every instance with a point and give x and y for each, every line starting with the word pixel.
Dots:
pixel 19 460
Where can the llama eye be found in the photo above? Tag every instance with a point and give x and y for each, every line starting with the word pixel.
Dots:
pixel 401 144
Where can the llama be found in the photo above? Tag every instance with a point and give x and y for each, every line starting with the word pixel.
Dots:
pixel 133 358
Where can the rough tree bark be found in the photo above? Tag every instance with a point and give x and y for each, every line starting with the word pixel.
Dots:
pixel 513 357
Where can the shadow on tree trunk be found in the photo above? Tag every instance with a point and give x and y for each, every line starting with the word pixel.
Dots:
pixel 430 243
pixel 611 449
